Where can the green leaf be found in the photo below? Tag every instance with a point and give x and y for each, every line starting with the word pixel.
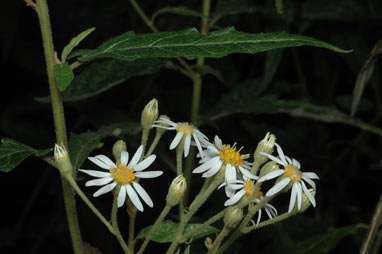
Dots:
pixel 279 6
pixel 12 153
pixel 187 250
pixel 229 7
pixel 191 44
pixel 64 75
pixel 74 43
pixel 101 76
pixel 167 229
pixel 180 10
pixel 364 105
pixel 244 100
pixel 81 145
pixel 325 242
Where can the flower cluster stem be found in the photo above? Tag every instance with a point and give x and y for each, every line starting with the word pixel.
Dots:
pixel 114 222
pixel 154 228
pixel 132 212
pixel 278 218
pixel 223 233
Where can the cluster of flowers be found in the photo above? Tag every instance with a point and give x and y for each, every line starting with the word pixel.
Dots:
pixel 215 157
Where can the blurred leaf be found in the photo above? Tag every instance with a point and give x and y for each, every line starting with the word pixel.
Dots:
pixel 101 76
pixel 325 242
pixel 12 153
pixel 229 7
pixel 207 69
pixel 74 43
pixel 279 6
pixel 244 100
pixel 272 61
pixel 345 102
pixel 191 44
pixel 167 229
pixel 187 250
pixel 180 10
pixel 64 75
pixel 81 145
pixel 364 76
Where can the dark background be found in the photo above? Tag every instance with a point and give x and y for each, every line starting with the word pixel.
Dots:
pixel 347 159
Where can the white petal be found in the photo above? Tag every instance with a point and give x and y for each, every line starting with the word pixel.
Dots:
pixel 246 173
pixel 268 211
pixel 258 217
pixel 278 187
pixel 100 163
pixel 105 189
pixel 176 140
pixel 293 197
pixel 310 175
pixel 230 173
pixel 121 196
pixel 95 173
pixel 271 175
pixel 99 181
pixel 134 197
pixel 124 157
pixel 136 157
pixel 308 194
pixel 228 191
pixel 213 149
pixel 106 160
pixel 309 181
pixel 233 200
pixel 166 121
pixel 299 196
pixel 288 159
pixel 296 162
pixel 198 145
pixel 187 143
pixel 214 169
pixel 281 154
pixel 143 194
pixel 163 127
pixel 207 165
pixel 218 142
pixel 148 174
pixel 273 158
pixel 145 163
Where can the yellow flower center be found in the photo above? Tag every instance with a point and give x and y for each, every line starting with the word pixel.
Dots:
pixel 293 173
pixel 249 188
pixel 186 128
pixel 229 155
pixel 122 174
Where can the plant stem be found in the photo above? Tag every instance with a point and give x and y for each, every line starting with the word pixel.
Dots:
pixel 281 217
pixel 142 14
pixel 42 10
pixel 132 212
pixel 114 222
pixel 225 231
pixel 153 144
pixel 179 165
pixel 154 228
pixel 144 138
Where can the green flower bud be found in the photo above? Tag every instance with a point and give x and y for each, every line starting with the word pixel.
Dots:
pixel 176 191
pixel 149 114
pixel 266 145
pixel 62 159
pixel 118 147
pixel 233 216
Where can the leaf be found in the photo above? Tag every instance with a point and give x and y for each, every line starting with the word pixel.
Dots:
pixel 207 69
pixel 81 145
pixel 64 75
pixel 12 153
pixel 191 44
pixel 74 43
pixel 345 102
pixel 229 7
pixel 101 76
pixel 167 229
pixel 180 10
pixel 272 61
pixel 325 242
pixel 187 250
pixel 244 100
pixel 279 6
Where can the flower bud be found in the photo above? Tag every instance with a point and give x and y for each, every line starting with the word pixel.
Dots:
pixel 305 202
pixel 175 192
pixel 233 216
pixel 118 147
pixel 62 159
pixel 149 114
pixel 266 145
pixel 269 167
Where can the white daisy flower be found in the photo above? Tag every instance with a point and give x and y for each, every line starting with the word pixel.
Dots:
pixel 183 129
pixel 124 175
pixel 247 188
pixel 220 154
pixel 292 174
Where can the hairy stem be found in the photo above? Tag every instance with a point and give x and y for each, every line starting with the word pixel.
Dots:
pixel 114 222
pixel 225 231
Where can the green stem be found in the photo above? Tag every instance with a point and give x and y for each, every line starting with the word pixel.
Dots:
pixel 145 136
pixel 281 217
pixel 154 228
pixel 42 10
pixel 114 222
pixel 132 212
pixel 225 231
pixel 153 144
pixel 142 14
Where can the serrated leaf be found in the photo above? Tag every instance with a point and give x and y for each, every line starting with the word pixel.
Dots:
pixel 101 76
pixel 64 75
pixel 74 43
pixel 12 153
pixel 191 44
pixel 325 242
pixel 244 100
pixel 81 145
pixel 167 229
pixel 179 10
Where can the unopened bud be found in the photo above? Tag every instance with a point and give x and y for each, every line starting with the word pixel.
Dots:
pixel 149 114
pixel 62 159
pixel 118 147
pixel 233 216
pixel 266 145
pixel 305 202
pixel 176 190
